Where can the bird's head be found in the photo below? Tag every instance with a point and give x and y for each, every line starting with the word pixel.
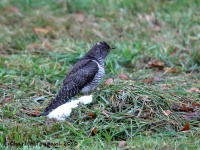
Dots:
pixel 100 50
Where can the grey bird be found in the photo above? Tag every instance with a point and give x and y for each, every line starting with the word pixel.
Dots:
pixel 84 77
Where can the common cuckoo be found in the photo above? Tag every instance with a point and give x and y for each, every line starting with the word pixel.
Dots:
pixel 83 77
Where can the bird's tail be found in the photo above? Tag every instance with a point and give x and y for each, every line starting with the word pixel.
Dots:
pixel 64 95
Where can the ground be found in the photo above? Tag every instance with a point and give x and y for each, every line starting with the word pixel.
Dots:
pixel 149 98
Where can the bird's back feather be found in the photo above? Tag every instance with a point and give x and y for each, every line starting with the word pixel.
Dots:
pixel 82 74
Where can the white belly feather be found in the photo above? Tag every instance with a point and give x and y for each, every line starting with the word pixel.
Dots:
pixel 64 111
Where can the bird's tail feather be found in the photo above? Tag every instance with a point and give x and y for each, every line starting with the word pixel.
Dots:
pixel 62 97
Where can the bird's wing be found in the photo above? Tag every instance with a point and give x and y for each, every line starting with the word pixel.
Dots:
pixel 81 74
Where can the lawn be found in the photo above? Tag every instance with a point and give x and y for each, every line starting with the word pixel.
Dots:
pixel 150 95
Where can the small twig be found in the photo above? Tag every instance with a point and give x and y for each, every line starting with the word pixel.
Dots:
pixel 46 92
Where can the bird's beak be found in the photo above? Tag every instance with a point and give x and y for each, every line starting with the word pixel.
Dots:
pixel 112 48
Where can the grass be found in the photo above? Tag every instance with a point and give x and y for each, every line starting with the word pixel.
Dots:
pixel 41 40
